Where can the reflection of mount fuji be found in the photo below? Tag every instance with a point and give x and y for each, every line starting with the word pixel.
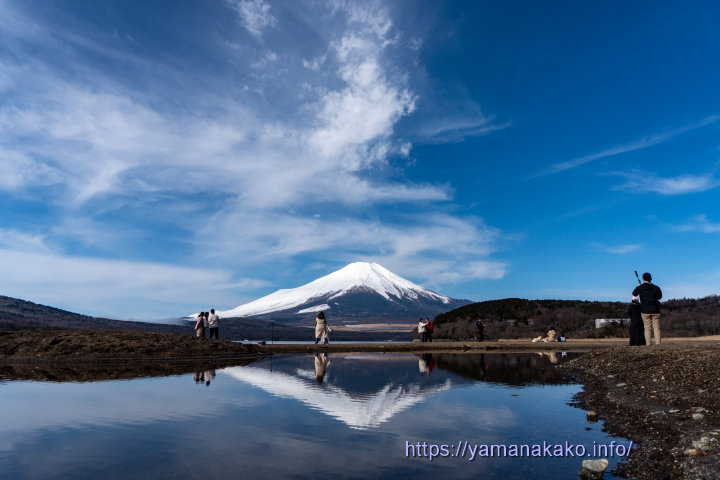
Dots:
pixel 362 391
pixel 366 390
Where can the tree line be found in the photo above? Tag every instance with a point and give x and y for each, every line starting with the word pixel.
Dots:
pixel 521 318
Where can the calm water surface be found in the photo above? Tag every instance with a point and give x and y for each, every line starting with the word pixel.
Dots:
pixel 299 416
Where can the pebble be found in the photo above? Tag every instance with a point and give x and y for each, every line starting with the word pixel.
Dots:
pixel 593 469
pixel 674 410
pixel 697 416
pixel 705 443
pixel 621 384
pixel 698 410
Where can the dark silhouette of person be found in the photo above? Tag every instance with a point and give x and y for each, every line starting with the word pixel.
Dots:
pixel 637 328
pixel 480 330
pixel 650 296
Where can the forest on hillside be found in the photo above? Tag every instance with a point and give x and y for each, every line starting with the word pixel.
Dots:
pixel 521 318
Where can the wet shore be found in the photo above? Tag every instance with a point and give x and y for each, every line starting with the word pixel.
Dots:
pixel 116 346
pixel 664 398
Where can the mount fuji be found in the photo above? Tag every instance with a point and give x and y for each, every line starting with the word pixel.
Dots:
pixel 359 291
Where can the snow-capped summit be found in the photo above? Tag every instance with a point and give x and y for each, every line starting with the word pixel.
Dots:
pixel 358 289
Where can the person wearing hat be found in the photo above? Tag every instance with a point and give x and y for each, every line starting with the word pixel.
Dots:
pixel 637 334
pixel 650 296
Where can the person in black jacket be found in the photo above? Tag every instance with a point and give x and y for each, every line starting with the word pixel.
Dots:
pixel 480 330
pixel 637 334
pixel 650 296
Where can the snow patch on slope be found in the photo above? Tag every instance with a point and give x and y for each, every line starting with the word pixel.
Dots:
pixel 316 308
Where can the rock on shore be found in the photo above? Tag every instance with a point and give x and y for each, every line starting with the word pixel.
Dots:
pixel 664 398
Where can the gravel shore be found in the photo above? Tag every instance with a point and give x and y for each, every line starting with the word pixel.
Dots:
pixel 664 398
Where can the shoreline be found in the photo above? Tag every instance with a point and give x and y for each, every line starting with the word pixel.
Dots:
pixel 663 398
pixel 132 346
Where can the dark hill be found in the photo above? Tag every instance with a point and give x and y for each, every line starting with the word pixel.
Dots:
pixel 16 314
pixel 521 318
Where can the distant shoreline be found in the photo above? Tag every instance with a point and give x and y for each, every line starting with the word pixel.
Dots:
pixel 497 346
pixel 120 345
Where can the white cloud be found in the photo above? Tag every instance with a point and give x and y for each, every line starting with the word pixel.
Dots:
pixel 459 128
pixel 434 250
pixel 16 240
pixel 101 287
pixel 619 249
pixel 699 223
pixel 255 15
pixel 642 182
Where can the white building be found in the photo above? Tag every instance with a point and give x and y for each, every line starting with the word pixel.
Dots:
pixel 601 322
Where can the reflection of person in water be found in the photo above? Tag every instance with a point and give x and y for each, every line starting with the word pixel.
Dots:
pixel 482 365
pixel 426 364
pixel 321 364
pixel 422 366
pixel 552 356
pixel 209 375
pixel 199 377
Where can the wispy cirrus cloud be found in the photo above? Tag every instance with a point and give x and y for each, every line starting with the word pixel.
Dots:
pixel 699 223
pixel 255 15
pixel 618 249
pixel 417 248
pixel 458 129
pixel 629 147
pixel 643 182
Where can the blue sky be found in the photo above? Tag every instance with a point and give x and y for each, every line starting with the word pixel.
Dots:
pixel 164 157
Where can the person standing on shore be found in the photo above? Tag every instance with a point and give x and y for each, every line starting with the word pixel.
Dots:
pixel 480 329
pixel 429 327
pixel 650 296
pixel 200 325
pixel 321 329
pixel 421 329
pixel 637 330
pixel 214 324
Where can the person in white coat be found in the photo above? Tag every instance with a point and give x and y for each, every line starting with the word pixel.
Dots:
pixel 422 329
pixel 321 328
pixel 213 323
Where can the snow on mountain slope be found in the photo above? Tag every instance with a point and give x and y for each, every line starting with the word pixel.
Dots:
pixel 358 275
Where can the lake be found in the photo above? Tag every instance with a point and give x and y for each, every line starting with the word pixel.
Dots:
pixel 305 416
